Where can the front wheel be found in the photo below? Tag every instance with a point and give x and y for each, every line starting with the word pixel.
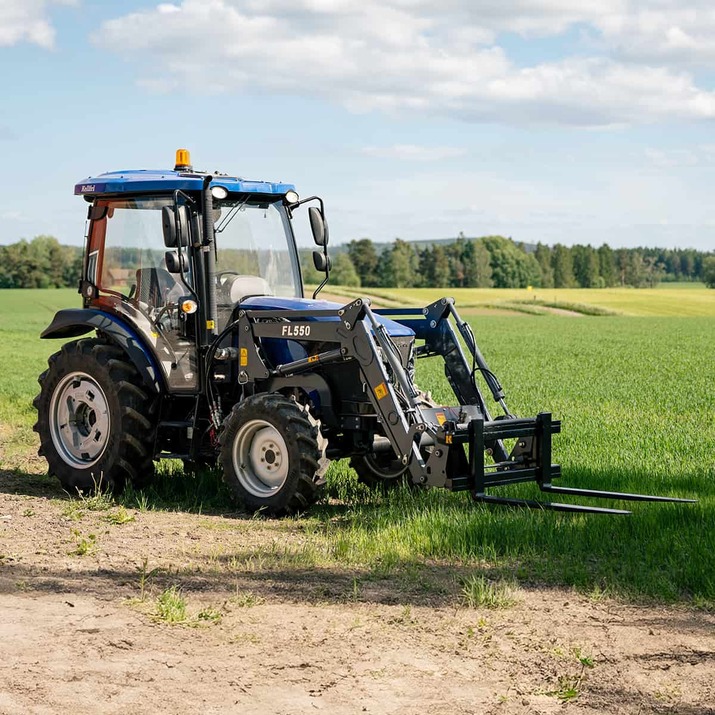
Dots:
pixel 271 454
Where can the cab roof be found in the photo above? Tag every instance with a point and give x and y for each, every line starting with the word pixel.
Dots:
pixel 140 181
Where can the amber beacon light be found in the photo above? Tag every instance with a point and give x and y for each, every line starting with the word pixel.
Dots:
pixel 183 160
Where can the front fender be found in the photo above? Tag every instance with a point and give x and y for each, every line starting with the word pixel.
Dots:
pixel 73 322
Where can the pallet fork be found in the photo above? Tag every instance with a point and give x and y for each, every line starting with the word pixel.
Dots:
pixel 429 440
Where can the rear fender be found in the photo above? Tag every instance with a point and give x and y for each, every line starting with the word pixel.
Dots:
pixel 73 322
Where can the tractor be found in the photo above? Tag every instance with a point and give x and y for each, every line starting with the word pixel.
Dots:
pixel 202 347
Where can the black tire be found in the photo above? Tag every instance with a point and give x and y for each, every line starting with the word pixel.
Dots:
pixel 270 455
pixel 95 418
pixel 380 472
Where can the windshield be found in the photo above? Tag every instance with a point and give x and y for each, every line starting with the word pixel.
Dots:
pixel 255 251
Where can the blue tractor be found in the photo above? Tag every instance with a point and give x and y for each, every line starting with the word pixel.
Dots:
pixel 203 348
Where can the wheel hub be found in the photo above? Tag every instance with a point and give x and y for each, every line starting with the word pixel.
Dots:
pixel 79 420
pixel 260 458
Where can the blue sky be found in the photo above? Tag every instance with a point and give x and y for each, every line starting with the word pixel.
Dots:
pixel 545 120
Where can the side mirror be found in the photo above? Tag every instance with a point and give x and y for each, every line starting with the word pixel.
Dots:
pixel 322 262
pixel 175 263
pixel 175 225
pixel 318 226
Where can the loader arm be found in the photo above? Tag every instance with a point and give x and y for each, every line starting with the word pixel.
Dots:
pixel 439 446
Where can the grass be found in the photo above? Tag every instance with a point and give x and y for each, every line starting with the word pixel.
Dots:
pixel 636 400
pixel 479 592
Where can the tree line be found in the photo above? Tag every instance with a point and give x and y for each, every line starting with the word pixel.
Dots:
pixel 40 263
pixel 499 262
pixel 486 262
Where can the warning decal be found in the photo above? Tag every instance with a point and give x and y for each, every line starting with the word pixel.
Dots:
pixel 381 391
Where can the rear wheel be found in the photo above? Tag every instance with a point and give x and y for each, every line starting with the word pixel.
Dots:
pixel 95 418
pixel 379 471
pixel 382 471
pixel 271 454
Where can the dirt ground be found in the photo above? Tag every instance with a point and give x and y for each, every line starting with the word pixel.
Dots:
pixel 79 630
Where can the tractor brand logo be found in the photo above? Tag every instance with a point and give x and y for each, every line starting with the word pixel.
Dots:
pixel 87 187
pixel 296 331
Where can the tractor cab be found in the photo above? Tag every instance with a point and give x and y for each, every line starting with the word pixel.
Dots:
pixel 175 252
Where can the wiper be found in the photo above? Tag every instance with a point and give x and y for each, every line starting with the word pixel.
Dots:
pixel 230 216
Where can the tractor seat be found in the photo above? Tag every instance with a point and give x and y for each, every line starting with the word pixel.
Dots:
pixel 236 288
pixel 155 287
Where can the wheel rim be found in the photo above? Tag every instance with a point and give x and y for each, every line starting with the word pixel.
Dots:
pixel 260 458
pixel 386 466
pixel 79 420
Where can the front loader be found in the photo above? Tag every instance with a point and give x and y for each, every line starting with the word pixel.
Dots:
pixel 206 350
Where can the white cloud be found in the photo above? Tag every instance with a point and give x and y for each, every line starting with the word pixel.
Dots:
pixel 404 56
pixel 628 208
pixel 27 21
pixel 701 155
pixel 669 30
pixel 412 152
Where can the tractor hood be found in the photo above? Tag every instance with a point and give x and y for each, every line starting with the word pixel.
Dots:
pixel 271 302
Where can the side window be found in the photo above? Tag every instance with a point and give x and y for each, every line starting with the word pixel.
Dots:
pixel 127 258
pixel 133 257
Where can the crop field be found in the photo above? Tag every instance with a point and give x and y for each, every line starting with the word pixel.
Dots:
pixel 669 299
pixel 635 395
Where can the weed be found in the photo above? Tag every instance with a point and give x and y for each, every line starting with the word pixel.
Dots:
pixel 171 606
pixel 569 688
pixel 73 510
pixel 145 577
pixel 84 544
pixel 96 501
pixel 478 591
pixel 28 512
pixel 119 517
pixel 405 617
pixel 212 615
pixel 357 588
pixel 246 599
pixel 569 685
pixel 585 660
pixel 142 502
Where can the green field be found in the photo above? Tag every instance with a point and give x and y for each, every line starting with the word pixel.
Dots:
pixel 669 299
pixel 634 392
